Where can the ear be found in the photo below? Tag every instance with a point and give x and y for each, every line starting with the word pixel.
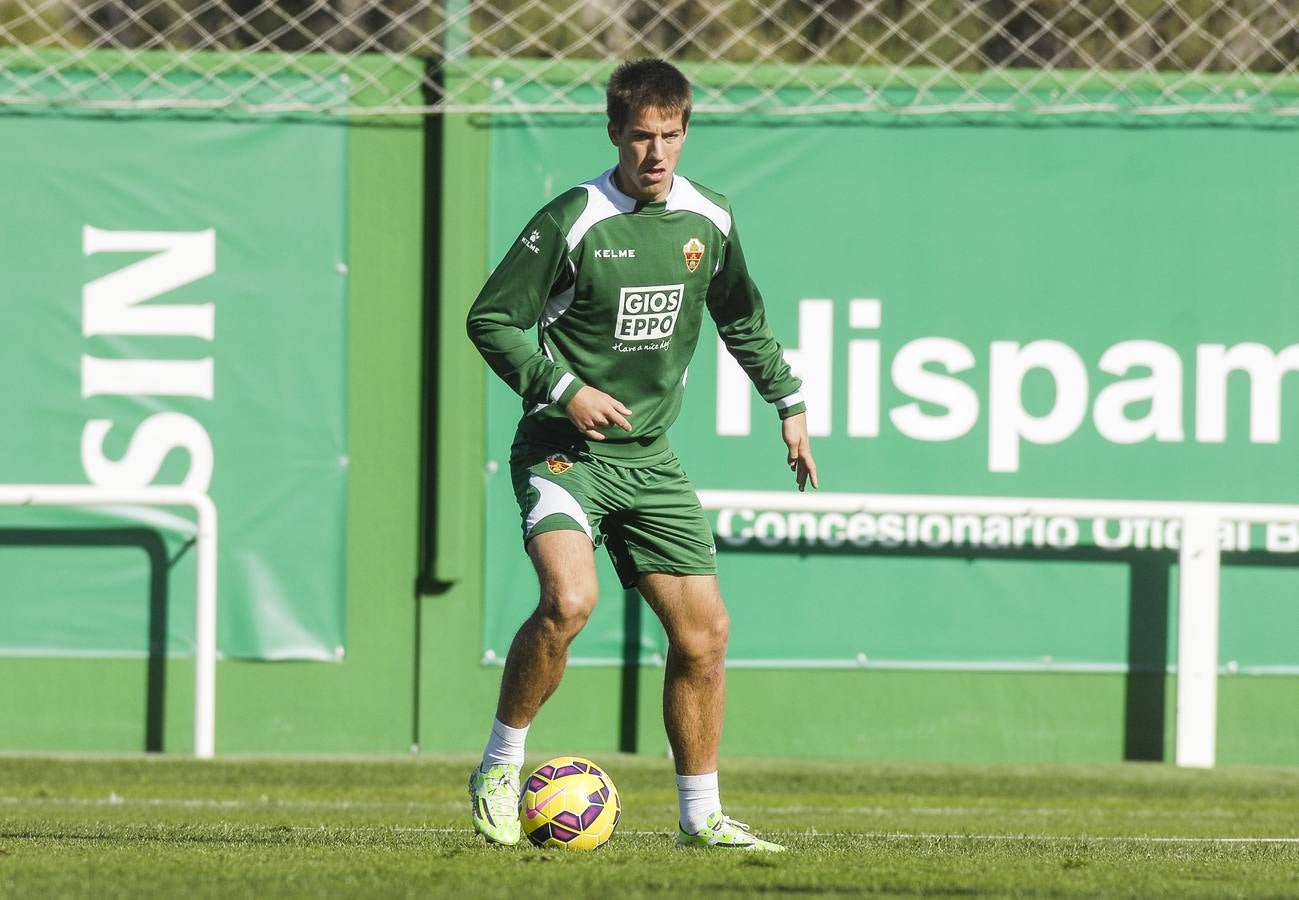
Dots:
pixel 613 134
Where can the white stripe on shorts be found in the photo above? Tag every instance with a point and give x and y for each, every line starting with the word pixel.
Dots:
pixel 554 499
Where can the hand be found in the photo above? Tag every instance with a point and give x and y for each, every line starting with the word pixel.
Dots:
pixel 591 409
pixel 794 431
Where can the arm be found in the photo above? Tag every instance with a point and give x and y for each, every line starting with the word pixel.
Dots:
pixel 513 302
pixel 736 306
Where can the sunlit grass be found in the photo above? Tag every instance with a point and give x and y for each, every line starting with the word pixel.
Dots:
pixel 261 827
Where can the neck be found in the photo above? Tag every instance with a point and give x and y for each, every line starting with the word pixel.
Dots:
pixel 618 183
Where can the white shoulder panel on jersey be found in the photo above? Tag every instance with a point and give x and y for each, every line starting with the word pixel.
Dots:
pixel 686 196
pixel 603 201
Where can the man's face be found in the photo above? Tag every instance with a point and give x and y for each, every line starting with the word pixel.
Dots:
pixel 649 145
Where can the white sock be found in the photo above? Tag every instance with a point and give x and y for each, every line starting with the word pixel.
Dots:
pixel 698 797
pixel 505 745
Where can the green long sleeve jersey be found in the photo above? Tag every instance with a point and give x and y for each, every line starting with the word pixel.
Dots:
pixel 617 289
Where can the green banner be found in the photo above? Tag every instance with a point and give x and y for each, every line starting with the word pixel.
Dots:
pixel 173 312
pixel 1074 312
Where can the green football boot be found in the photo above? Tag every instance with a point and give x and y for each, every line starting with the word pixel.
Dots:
pixel 724 832
pixel 495 797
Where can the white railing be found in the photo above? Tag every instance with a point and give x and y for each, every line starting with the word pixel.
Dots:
pixel 1198 556
pixel 206 549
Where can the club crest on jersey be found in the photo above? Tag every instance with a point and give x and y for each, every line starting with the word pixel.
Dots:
pixel 693 252
pixel 558 464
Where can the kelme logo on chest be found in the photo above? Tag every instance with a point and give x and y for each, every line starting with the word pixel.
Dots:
pixel 648 313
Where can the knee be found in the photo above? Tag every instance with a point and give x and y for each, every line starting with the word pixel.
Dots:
pixel 705 642
pixel 566 610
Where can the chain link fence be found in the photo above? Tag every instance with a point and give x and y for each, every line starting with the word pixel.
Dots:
pixel 1035 58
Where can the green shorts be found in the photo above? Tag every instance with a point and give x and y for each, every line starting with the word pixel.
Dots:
pixel 647 515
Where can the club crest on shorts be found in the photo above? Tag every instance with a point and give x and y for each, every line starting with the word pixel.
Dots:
pixel 693 252
pixel 558 464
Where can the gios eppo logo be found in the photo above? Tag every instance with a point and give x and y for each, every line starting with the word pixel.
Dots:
pixel 648 313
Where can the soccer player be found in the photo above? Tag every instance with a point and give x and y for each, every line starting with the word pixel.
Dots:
pixel 616 275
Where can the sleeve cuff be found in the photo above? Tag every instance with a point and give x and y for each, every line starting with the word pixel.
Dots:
pixel 566 389
pixel 790 405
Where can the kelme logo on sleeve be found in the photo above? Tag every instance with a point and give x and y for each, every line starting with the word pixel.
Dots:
pixel 648 313
pixel 693 252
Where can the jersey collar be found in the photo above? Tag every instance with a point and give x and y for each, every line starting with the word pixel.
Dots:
pixel 627 204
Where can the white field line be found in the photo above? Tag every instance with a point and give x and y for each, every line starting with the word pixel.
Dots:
pixel 267 803
pixel 206 803
pixel 987 810
pixel 898 835
pixel 1084 838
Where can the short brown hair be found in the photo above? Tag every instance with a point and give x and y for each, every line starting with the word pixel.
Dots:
pixel 646 84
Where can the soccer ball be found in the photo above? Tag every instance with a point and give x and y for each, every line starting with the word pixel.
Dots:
pixel 569 802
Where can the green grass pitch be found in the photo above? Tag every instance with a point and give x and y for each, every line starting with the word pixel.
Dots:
pixel 383 827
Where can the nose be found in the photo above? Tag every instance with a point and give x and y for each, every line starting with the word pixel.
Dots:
pixel 657 147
